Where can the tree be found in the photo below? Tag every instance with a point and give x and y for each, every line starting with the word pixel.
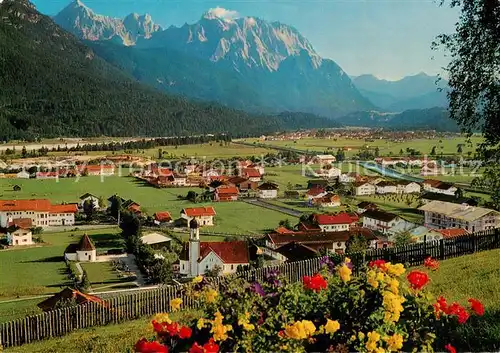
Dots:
pixel 89 209
pixel 84 284
pixel 161 272
pixel 377 151
pixel 403 238
pixel 130 225
pixel 286 223
pixel 474 79
pixel 24 153
pixel 115 205
pixel 192 196
pixel 401 152
pixel 433 151
pixel 16 188
pixel 459 149
pixel 214 271
pixel 356 243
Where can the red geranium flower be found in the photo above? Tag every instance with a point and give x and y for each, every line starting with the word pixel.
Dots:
pixel 431 263
pixel 440 306
pixel 211 346
pixel 450 348
pixel 144 346
pixel 196 348
pixel 417 279
pixel 172 329
pixel 476 306
pixel 378 263
pixel 459 311
pixel 315 283
pixel 185 332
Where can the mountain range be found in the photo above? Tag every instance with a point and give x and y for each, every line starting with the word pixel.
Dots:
pixel 53 85
pixel 246 63
pixel 412 92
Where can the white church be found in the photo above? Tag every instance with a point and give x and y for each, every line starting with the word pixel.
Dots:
pixel 199 257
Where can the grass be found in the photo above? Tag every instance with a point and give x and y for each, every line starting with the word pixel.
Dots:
pixel 100 273
pixel 447 146
pixel 395 204
pixel 111 339
pixel 208 151
pixel 41 270
pixel 229 215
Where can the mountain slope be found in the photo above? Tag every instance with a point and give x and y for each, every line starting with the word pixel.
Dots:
pixel 417 119
pixel 272 64
pixel 411 92
pixel 52 85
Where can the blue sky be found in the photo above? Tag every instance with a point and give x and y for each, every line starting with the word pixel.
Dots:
pixel 387 38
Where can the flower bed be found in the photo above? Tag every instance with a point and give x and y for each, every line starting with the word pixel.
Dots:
pixel 383 309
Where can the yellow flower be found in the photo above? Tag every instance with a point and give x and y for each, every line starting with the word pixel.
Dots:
pixel 395 270
pixel 361 336
pixel 218 329
pixel 198 279
pixel 162 317
pixel 331 326
pixel 353 338
pixel 345 273
pixel 347 260
pixel 394 286
pixel 371 344
pixel 176 303
pixel 300 329
pixel 372 278
pixel 211 296
pixel 393 305
pixel 380 276
pixel 309 327
pixel 201 323
pixel 394 342
pixel 244 321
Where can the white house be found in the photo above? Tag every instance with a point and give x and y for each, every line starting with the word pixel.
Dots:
pixel 439 187
pixel 156 240
pixel 268 191
pixel 41 212
pixel 348 178
pixel 203 215
pixel 328 200
pixel 386 187
pixel 444 215
pixel 334 223
pixel 89 197
pixel 324 159
pixel 19 232
pixel 251 174
pixel 409 187
pixel 23 175
pixel 380 220
pixel 363 188
pixel 84 251
pixel 199 257
pixel 331 172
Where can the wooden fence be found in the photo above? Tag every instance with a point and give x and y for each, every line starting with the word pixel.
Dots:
pixel 148 302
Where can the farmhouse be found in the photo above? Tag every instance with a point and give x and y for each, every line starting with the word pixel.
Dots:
pixel 380 220
pixel 443 215
pixel 318 240
pixel 324 159
pixel 19 232
pixel 251 174
pixel 23 175
pixel 41 212
pixel 84 251
pixel 101 169
pixel 47 175
pixel 453 233
pixel 318 183
pixel 407 187
pixel 439 187
pixel 365 206
pixel 161 218
pixel 328 200
pixel 89 197
pixel 364 188
pixel 65 295
pixel 349 177
pixel 243 184
pixel 422 233
pixel 226 255
pixel 386 187
pixel 268 190
pixel 326 173
pixel 432 196
pixel 203 215
pixel 226 193
pixel 334 223
pixel 315 192
pixel 294 251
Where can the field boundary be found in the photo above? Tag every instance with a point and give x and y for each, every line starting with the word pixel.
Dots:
pixel 149 302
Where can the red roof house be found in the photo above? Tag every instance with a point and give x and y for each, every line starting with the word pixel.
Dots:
pixel 251 174
pixel 162 217
pixel 453 232
pixel 226 193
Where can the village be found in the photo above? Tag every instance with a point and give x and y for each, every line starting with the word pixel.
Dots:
pixel 309 205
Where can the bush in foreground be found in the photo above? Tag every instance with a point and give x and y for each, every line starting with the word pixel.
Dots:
pixel 333 311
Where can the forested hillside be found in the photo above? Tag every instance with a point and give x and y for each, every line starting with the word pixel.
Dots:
pixel 52 85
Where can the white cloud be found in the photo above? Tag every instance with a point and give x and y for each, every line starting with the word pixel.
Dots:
pixel 224 14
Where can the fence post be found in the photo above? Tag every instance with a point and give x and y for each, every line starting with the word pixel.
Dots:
pixel 496 239
pixel 441 249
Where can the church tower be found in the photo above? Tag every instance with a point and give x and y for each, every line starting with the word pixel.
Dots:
pixel 194 247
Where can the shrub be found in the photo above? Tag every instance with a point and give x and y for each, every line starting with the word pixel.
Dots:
pixel 377 311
